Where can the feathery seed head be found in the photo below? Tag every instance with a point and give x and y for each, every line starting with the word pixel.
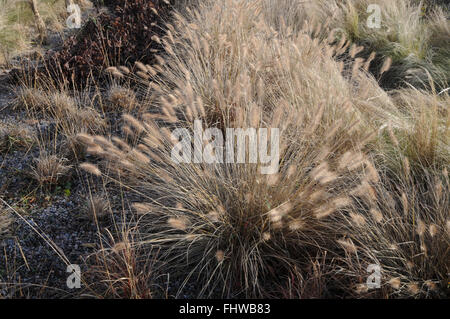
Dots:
pixel 91 168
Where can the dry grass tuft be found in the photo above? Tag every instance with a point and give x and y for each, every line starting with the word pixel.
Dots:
pixel 410 42
pixel 29 98
pixel 421 144
pixel 230 224
pixel 6 221
pixel 50 169
pixel 122 270
pixel 15 135
pixel 97 207
pixel 121 99
pixel 394 235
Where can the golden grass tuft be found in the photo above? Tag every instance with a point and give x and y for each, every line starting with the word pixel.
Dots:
pixel 29 98
pixel 234 64
pixel 120 99
pixel 50 169
pixel 97 207
pixel 274 85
